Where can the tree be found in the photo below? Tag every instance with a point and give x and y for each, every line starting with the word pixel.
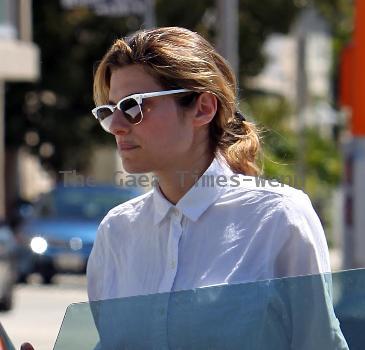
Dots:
pixel 52 117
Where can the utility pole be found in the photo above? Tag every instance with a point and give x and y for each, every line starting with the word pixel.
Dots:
pixel 25 21
pixel 228 32
pixel 2 151
pixel 301 103
pixel 149 16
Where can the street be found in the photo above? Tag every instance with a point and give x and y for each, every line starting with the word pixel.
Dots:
pixel 38 310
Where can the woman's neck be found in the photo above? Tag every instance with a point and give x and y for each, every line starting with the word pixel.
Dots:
pixel 175 183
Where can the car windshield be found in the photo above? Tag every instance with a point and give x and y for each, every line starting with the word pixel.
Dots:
pixel 314 312
pixel 83 203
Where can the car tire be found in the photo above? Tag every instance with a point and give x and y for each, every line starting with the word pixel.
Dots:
pixel 47 277
pixel 22 278
pixel 6 303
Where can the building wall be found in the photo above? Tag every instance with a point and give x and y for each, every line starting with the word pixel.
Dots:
pixel 282 73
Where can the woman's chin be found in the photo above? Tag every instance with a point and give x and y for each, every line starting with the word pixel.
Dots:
pixel 133 167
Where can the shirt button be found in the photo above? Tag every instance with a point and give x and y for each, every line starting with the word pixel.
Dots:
pixel 173 264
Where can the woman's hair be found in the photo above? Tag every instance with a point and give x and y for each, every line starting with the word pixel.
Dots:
pixel 179 58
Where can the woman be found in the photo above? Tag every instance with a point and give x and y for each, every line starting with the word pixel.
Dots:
pixel 170 101
pixel 188 231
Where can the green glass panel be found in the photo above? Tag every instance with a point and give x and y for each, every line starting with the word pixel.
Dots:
pixel 303 313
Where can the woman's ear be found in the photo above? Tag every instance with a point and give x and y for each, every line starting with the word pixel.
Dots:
pixel 205 109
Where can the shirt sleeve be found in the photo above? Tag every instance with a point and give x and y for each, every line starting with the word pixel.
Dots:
pixel 300 315
pixel 95 267
pixel 307 300
pixel 303 248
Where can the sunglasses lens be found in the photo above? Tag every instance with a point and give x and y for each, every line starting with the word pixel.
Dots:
pixel 105 117
pixel 131 110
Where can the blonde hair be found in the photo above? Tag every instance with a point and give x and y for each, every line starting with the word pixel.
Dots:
pixel 179 58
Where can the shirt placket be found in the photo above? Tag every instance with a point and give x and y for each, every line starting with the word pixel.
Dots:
pixel 172 251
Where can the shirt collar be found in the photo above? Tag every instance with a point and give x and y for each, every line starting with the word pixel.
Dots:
pixel 199 197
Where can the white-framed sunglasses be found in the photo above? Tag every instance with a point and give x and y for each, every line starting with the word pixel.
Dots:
pixel 130 106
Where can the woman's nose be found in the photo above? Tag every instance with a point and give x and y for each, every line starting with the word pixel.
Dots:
pixel 119 124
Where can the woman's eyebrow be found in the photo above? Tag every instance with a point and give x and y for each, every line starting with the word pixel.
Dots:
pixel 110 102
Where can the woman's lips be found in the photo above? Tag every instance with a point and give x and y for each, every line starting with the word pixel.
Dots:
pixel 127 147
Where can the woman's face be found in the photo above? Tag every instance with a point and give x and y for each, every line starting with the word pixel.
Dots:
pixel 164 139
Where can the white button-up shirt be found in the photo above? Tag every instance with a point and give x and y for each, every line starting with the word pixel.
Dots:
pixel 228 228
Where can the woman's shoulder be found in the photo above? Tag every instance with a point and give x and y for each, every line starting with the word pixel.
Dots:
pixel 253 189
pixel 275 203
pixel 129 209
pixel 287 219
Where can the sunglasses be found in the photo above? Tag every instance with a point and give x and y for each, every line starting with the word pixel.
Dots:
pixel 131 106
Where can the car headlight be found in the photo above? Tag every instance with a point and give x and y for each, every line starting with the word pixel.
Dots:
pixel 76 243
pixel 38 245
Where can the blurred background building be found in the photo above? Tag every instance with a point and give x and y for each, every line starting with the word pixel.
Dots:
pixel 19 61
pixel 281 73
